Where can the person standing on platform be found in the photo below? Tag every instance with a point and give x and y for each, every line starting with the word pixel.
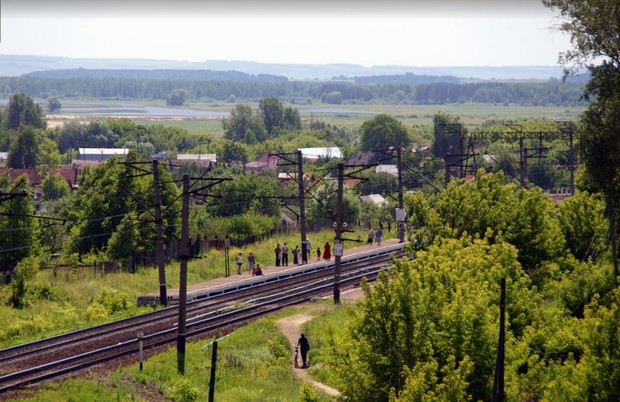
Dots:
pixel 278 252
pixel 296 255
pixel 379 235
pixel 318 254
pixel 304 347
pixel 371 236
pixel 251 262
pixel 239 263
pixel 285 255
pixel 327 251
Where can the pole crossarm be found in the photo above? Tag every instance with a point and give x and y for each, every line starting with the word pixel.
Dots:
pixel 522 135
pixel 48 218
pixel 214 180
pixel 361 168
pixel 285 156
pixel 10 196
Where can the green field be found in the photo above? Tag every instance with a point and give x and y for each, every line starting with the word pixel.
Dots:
pixel 350 116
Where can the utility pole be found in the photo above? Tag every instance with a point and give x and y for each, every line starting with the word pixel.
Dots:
pixel 159 250
pixel 338 239
pixel 184 256
pixel 401 207
pixel 522 164
pixel 571 159
pixel 213 368
pixel 302 205
pixel 301 197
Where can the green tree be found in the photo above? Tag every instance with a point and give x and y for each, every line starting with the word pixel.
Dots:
pixel 176 97
pixel 594 27
pixel 95 134
pixel 582 222
pixel 18 226
pixel 383 131
pixel 525 218
pixel 244 126
pixel 53 105
pixel 430 315
pixel 235 152
pixel 446 132
pixel 322 204
pixel 109 211
pixel 24 150
pixel 48 153
pixel 271 111
pixel 292 120
pixel 247 194
pixel 54 187
pixel 22 110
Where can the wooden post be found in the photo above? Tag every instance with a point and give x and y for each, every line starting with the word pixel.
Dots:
pixel 184 256
pixel 159 250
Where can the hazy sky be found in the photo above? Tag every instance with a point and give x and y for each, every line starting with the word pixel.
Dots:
pixel 386 32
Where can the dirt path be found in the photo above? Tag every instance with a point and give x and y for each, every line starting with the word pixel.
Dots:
pixel 291 328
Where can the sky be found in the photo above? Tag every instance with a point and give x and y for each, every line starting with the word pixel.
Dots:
pixel 369 33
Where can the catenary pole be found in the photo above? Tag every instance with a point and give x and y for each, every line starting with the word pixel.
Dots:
pixel 338 240
pixel 302 205
pixel 159 250
pixel 184 256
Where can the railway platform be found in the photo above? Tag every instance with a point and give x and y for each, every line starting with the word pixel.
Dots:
pixel 270 273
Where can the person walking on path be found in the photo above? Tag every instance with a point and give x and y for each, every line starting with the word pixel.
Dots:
pixel 327 251
pixel 296 255
pixel 371 236
pixel 285 255
pixel 239 263
pixel 304 347
pixel 278 252
pixel 251 262
pixel 379 235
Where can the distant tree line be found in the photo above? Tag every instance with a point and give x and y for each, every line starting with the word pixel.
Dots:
pixel 164 74
pixel 551 92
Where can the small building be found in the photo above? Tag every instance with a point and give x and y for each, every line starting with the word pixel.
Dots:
pixel 4 156
pixel 361 158
pixel 201 159
pixel 100 154
pixel 265 162
pixel 316 153
pixel 376 199
pixel 285 177
pixel 389 169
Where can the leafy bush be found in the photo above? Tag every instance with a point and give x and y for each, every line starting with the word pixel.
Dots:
pixel 25 270
pixel 278 348
pixel 185 391
pixel 112 300
pixel 307 393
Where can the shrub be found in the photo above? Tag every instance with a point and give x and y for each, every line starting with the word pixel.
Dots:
pixel 112 300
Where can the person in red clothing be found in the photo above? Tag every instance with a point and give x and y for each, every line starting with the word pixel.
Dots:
pixel 327 252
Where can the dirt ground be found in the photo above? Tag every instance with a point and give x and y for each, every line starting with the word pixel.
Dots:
pixel 291 328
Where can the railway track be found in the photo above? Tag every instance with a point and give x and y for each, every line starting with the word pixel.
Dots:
pixel 215 311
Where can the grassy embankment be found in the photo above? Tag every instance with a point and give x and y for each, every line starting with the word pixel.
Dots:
pixel 254 364
pixel 76 298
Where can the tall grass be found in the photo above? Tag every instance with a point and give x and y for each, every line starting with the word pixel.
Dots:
pixel 254 364
pixel 72 299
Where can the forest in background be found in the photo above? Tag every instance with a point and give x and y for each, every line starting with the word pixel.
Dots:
pixel 234 86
